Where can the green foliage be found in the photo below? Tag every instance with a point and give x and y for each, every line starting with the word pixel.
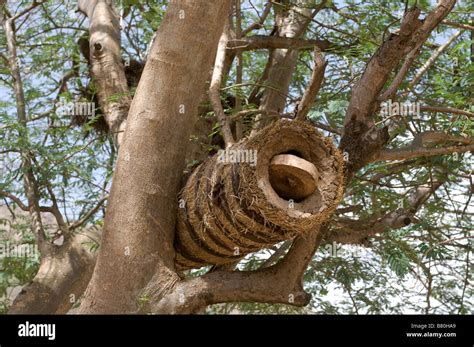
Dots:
pixel 16 266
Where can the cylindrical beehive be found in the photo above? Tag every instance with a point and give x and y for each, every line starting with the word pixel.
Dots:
pixel 230 207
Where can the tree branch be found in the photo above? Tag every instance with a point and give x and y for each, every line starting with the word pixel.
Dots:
pixel 360 139
pixel 26 10
pixel 61 279
pixel 107 67
pixel 57 213
pixel 29 180
pixel 442 109
pixel 214 89
pixel 138 233
pixel 400 76
pixel 15 199
pixel 417 147
pixel 89 213
pixel 275 42
pixel 263 17
pixel 410 152
pixel 290 23
pixel 432 59
pixel 350 231
pixel 277 254
pixel 458 25
pixel 314 85
pixel 280 283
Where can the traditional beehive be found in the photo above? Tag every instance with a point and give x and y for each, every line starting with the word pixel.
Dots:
pixel 280 183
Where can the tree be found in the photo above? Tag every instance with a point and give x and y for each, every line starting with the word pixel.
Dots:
pixel 361 115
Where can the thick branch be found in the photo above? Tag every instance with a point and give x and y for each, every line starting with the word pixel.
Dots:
pixel 360 139
pixel 400 76
pixel 139 227
pixel 107 67
pixel 282 62
pixel 280 283
pixel 61 279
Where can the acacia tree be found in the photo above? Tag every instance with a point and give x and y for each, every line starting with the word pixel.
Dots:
pixel 230 69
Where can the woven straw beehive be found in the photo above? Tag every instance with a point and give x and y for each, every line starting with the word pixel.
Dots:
pixel 230 209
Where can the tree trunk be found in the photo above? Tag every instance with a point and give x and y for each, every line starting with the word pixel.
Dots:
pixel 61 279
pixel 140 221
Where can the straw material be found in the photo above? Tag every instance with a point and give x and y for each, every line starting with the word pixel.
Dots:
pixel 231 209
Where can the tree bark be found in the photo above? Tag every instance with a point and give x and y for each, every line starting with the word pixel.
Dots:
pixel 291 24
pixel 61 279
pixel 140 221
pixel 107 68
pixel 361 139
